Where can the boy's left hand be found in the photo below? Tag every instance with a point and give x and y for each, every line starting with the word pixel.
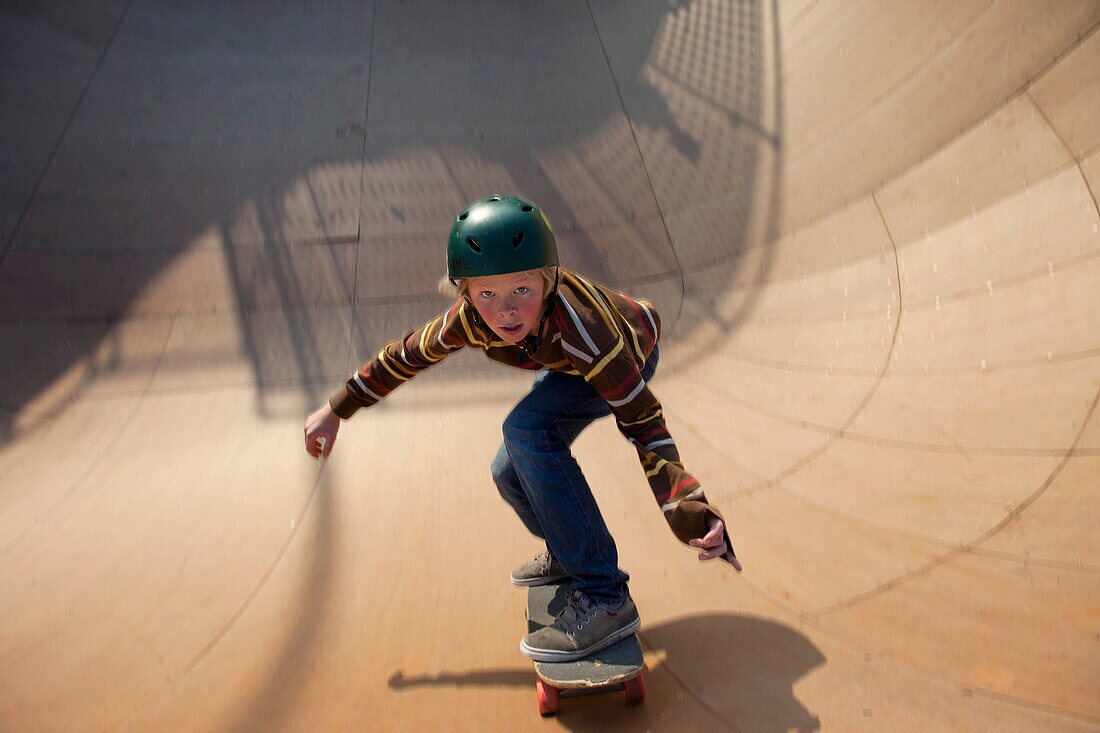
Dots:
pixel 715 545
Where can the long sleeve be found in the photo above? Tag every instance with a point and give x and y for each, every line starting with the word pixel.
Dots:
pixel 594 341
pixel 402 359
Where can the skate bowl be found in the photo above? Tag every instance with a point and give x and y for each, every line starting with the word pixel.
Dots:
pixel 871 231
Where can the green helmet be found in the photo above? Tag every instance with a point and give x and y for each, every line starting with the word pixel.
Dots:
pixel 499 235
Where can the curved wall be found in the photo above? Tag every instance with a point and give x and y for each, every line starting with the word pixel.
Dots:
pixel 872 232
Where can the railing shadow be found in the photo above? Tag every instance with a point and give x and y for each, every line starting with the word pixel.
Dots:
pixel 290 269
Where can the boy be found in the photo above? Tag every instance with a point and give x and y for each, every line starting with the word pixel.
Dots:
pixel 596 349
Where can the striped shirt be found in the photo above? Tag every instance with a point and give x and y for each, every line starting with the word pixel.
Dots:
pixel 594 332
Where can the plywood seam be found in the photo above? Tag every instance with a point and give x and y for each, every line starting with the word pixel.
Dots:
pixel 366 122
pixel 1049 124
pixel 805 620
pixel 891 531
pixel 53 412
pixel 913 72
pixel 842 433
pixel 988 205
pixel 958 296
pixel 974 212
pixel 115 318
pixel 1076 159
pixel 248 245
pixel 353 318
pixel 832 437
pixel 689 690
pixel 863 522
pixel 226 387
pixel 170 680
pixel 124 424
pixel 645 170
pixel 64 134
pixel 287 383
pixel 789 366
pixel 903 244
pixel 962 133
pixel 801 14
pixel 588 225
pixel 272 566
pixel 967 548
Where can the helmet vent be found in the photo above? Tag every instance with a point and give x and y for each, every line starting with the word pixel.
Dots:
pixel 474 244
pixel 516 240
pixel 525 208
pixel 464 215
pixel 494 199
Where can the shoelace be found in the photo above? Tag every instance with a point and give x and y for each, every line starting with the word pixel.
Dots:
pixel 578 612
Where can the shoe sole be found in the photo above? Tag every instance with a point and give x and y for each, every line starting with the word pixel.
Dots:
pixel 530 582
pixel 550 655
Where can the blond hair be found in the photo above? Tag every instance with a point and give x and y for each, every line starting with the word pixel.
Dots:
pixel 459 287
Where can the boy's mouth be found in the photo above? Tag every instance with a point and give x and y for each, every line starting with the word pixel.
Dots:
pixel 512 330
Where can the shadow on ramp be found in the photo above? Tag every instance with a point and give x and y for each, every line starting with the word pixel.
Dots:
pixel 740 670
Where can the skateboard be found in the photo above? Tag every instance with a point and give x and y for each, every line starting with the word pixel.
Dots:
pixel 614 668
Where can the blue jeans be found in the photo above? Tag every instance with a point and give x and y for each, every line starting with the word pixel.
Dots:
pixel 539 478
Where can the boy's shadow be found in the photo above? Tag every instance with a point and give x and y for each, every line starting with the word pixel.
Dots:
pixel 740 670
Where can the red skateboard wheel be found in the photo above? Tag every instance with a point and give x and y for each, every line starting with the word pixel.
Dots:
pixel 635 689
pixel 548 698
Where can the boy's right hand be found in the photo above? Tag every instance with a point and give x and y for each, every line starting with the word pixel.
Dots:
pixel 321 429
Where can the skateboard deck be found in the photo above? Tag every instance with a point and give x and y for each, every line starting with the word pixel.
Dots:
pixel 613 668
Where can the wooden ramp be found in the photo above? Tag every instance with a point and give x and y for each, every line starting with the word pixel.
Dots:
pixel 870 229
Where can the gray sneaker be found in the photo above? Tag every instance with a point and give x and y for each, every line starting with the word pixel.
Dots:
pixel 581 629
pixel 542 570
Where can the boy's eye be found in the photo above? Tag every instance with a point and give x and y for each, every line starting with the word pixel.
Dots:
pixel 522 289
pixel 486 293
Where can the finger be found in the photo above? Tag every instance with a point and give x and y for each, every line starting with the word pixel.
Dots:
pixel 326 444
pixel 712 539
pixel 711 554
pixel 714 534
pixel 732 560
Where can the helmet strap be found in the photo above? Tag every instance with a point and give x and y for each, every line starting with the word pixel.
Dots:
pixel 536 337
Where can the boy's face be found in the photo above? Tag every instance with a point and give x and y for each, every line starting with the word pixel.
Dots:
pixel 511 304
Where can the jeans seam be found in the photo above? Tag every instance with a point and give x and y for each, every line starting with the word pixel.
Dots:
pixel 576 499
